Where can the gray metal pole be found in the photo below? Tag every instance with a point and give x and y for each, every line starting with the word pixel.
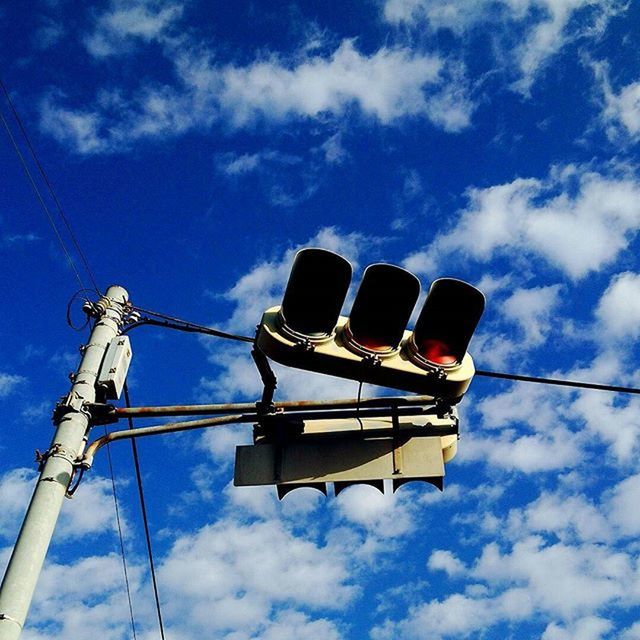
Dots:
pixel 68 443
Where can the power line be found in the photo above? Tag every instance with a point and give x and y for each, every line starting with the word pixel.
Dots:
pixel 145 520
pixel 41 201
pixel 558 382
pixel 121 539
pixel 170 322
pixel 49 186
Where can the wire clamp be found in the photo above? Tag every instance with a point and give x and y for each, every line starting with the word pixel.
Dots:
pixel 372 359
pixel 4 616
pixel 56 451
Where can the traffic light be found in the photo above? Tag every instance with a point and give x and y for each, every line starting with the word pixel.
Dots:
pixel 373 344
pixel 312 453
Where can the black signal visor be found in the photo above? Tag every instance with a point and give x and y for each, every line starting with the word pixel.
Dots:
pixel 447 321
pixel 383 306
pixel 315 292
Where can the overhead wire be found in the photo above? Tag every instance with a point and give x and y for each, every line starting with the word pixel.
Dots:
pixel 38 194
pixel 121 539
pixel 171 322
pixel 40 199
pixel 50 188
pixel 558 382
pixel 145 520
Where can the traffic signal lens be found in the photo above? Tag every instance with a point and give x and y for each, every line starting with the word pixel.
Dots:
pixel 315 292
pixel 437 352
pixel 447 321
pixel 382 308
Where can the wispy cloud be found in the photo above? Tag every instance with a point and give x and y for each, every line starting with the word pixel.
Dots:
pixel 125 21
pixel 387 86
pixel 544 26
pixel 577 219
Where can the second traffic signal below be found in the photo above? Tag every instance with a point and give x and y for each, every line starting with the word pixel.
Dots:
pixel 373 344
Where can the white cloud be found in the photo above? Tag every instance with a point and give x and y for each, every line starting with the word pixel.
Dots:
pixel 620 110
pixel 577 219
pixel 388 85
pixel 16 487
pixel 264 285
pixel 618 310
pixel 544 27
pixel 588 628
pixel 563 580
pixel 529 453
pixel 95 587
pixel 234 577
pixel 566 516
pixel 9 382
pixel 438 14
pixel 533 310
pixel 293 625
pixel 615 423
pixel 125 20
pixel 623 510
pixel 334 150
pixel 441 560
pixel 385 515
pixel 89 512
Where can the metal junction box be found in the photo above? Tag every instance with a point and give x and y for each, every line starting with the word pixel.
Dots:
pixel 114 368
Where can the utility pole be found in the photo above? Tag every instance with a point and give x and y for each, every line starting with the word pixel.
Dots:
pixel 57 467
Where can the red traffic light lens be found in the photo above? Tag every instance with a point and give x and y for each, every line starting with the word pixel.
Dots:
pixel 436 351
pixel 383 305
pixel 447 321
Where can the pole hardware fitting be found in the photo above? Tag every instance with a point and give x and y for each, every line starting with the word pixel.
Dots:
pixel 266 408
pixel 100 413
pixel 304 344
pixel 278 428
pixel 8 618
pixel 98 308
pixel 71 403
pixel 372 359
pixel 56 451
pixel 443 410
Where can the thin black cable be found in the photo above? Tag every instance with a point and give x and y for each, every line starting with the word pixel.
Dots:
pixel 171 322
pixel 41 200
pixel 558 382
pixel 145 521
pixel 358 418
pixel 45 177
pixel 122 553
pixel 69 304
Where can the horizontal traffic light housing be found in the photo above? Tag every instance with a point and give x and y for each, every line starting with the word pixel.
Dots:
pixel 346 452
pixel 373 344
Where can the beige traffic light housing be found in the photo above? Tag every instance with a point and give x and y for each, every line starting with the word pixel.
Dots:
pixel 335 355
pixel 351 451
pixel 373 344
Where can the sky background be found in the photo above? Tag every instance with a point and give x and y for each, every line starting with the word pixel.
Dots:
pixel 195 146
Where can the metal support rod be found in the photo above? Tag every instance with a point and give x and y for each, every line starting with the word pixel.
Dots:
pixel 172 427
pixel 57 471
pixel 212 409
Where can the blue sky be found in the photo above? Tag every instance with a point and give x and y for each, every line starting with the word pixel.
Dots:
pixel 195 147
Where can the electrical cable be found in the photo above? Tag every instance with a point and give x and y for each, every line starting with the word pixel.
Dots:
pixel 71 301
pixel 120 536
pixel 171 322
pixel 41 200
pixel 558 382
pixel 359 399
pixel 145 520
pixel 45 177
